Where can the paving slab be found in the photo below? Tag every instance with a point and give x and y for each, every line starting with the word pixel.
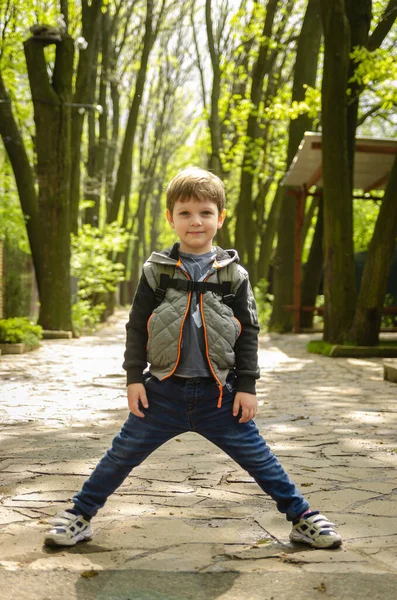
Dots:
pixel 190 523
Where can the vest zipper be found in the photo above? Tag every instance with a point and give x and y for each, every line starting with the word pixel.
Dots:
pixel 239 325
pixel 178 265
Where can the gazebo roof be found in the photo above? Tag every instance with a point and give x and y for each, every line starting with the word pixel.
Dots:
pixel 373 161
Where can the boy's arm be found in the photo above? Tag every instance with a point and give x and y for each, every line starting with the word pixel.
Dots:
pixel 246 348
pixel 135 353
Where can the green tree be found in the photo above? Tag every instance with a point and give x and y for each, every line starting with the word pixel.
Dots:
pixel 49 55
pixel 339 281
pixel 46 209
pixel 346 26
pixel 305 73
pixel 245 238
pixel 124 173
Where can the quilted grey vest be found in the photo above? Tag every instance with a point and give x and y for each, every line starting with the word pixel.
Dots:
pixel 165 325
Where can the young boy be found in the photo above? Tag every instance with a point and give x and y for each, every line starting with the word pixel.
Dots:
pixel 194 321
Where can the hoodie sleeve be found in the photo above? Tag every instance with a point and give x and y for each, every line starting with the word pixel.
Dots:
pixel 246 348
pixel 135 352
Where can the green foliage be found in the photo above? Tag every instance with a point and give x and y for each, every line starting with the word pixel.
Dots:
pixel 91 263
pixel 96 273
pixel 263 303
pixel 319 347
pixel 365 214
pixel 379 70
pixel 311 106
pixel 12 223
pixel 18 278
pixel 389 320
pixel 86 317
pixel 376 73
pixel 19 330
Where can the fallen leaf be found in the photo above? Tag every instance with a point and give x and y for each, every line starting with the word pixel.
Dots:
pixel 88 574
pixel 321 588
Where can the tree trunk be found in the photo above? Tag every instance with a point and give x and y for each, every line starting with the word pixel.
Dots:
pixel 24 176
pixel 111 158
pixel 214 124
pixel 156 211
pixel 136 259
pixel 84 94
pixel 123 181
pixel 367 319
pixel 305 72
pixel 94 184
pixel 268 235
pixel 339 281
pixel 245 233
pixel 313 269
pixel 383 27
pixel 215 163
pixel 310 212
pixel 51 101
pixel 359 15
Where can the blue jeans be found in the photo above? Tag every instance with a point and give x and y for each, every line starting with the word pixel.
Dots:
pixel 177 405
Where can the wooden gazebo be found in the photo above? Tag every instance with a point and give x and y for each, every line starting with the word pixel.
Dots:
pixel 373 161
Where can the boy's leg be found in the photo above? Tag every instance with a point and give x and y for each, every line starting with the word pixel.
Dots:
pixel 243 443
pixel 246 446
pixel 138 438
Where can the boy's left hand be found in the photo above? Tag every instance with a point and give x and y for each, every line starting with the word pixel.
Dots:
pixel 248 404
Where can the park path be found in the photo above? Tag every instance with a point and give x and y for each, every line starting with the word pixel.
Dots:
pixel 190 524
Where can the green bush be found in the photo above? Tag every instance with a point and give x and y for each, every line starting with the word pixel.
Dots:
pixel 96 273
pixel 19 330
pixel 319 347
pixel 91 261
pixel 264 302
pixel 86 317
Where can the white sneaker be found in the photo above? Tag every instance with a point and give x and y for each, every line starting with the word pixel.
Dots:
pixel 68 529
pixel 316 530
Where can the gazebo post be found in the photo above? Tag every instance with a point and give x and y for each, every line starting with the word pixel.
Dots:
pixel 301 196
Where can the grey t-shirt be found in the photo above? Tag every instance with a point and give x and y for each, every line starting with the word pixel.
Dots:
pixel 193 361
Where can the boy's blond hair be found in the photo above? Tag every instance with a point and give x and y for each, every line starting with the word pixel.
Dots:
pixel 197 184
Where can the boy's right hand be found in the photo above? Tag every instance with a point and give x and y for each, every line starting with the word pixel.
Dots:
pixel 136 392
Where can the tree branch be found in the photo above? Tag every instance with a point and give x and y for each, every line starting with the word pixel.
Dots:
pixel 199 63
pixel 383 27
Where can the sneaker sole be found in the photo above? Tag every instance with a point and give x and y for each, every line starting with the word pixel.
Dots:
pixel 57 540
pixel 302 539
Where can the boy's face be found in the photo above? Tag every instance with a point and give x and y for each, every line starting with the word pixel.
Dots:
pixel 196 223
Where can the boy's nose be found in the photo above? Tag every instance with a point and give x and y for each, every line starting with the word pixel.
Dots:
pixel 196 220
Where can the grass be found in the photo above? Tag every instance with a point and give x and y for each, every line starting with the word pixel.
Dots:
pixel 320 347
pixel 384 348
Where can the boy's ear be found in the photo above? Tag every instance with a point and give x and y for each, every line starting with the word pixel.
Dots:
pixel 221 219
pixel 169 218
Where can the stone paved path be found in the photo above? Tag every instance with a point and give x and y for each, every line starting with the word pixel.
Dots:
pixel 190 524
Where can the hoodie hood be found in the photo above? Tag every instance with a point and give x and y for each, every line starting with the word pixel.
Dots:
pixel 170 256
